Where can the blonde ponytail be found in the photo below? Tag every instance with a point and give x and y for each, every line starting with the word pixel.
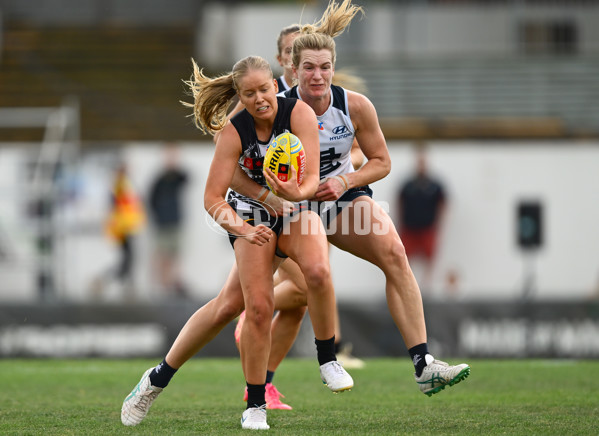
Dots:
pixel 212 96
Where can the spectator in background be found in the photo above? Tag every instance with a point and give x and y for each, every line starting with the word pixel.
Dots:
pixel 421 207
pixel 167 214
pixel 125 219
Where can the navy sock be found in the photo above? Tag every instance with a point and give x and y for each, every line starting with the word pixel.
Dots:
pixel 325 350
pixel 256 395
pixel 162 374
pixel 417 354
pixel 269 376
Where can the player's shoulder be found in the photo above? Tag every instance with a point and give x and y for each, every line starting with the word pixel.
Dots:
pixel 229 133
pixel 356 100
pixel 359 105
pixel 303 110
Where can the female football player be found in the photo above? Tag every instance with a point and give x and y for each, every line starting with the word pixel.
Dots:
pixel 242 143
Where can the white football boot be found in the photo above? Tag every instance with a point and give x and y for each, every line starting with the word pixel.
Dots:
pixel 138 402
pixel 437 374
pixel 335 377
pixel 254 418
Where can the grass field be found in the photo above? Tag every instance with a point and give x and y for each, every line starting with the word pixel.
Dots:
pixel 508 397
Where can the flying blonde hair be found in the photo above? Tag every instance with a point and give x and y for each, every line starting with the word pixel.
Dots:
pixel 320 35
pixel 346 79
pixel 213 96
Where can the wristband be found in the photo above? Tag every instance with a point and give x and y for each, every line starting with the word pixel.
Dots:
pixel 263 195
pixel 343 180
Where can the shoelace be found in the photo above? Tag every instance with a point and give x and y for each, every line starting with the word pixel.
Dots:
pixel 258 413
pixel 273 392
pixel 336 366
pixel 147 398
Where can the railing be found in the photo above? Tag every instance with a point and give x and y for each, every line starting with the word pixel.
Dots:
pixel 58 148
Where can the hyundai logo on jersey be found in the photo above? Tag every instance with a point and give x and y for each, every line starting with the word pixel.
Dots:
pixel 339 130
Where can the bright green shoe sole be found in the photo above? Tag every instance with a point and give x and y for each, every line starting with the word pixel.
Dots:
pixel 458 378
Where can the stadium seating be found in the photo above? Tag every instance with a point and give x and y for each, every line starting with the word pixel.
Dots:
pixel 519 97
pixel 127 79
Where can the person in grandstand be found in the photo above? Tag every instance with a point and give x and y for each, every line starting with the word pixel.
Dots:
pixel 126 219
pixel 242 144
pixel 421 206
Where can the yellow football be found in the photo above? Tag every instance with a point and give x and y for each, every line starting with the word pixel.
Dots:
pixel 283 151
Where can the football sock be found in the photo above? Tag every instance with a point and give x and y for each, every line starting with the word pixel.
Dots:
pixel 417 354
pixel 256 395
pixel 162 374
pixel 269 376
pixel 325 350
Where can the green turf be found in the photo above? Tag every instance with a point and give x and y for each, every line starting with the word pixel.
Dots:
pixel 508 397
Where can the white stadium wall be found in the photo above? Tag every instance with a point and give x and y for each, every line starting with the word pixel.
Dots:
pixel 484 180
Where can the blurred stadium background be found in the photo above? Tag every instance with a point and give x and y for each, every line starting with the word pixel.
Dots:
pixel 505 93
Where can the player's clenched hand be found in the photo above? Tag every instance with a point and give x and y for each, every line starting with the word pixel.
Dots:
pixel 330 189
pixel 289 189
pixel 260 235
pixel 276 206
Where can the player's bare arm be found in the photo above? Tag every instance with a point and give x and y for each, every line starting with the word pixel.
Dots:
pixel 372 142
pixel 224 163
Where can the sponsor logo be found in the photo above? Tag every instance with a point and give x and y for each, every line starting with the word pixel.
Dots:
pixel 559 337
pixel 338 137
pixel 252 163
pixel 277 153
pixel 80 340
pixel 283 173
pixel 301 165
pixel 416 359
pixel 339 130
pixel 320 125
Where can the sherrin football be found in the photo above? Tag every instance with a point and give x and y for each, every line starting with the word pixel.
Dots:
pixel 284 150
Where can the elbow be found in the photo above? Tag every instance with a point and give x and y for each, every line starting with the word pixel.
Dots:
pixel 208 202
pixel 386 168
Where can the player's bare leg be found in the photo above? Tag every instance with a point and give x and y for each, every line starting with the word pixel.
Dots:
pixel 208 321
pixel 200 329
pixel 306 244
pixel 383 248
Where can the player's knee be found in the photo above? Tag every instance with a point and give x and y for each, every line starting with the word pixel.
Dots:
pixel 259 313
pixel 296 314
pixel 229 310
pixel 395 255
pixel 317 275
